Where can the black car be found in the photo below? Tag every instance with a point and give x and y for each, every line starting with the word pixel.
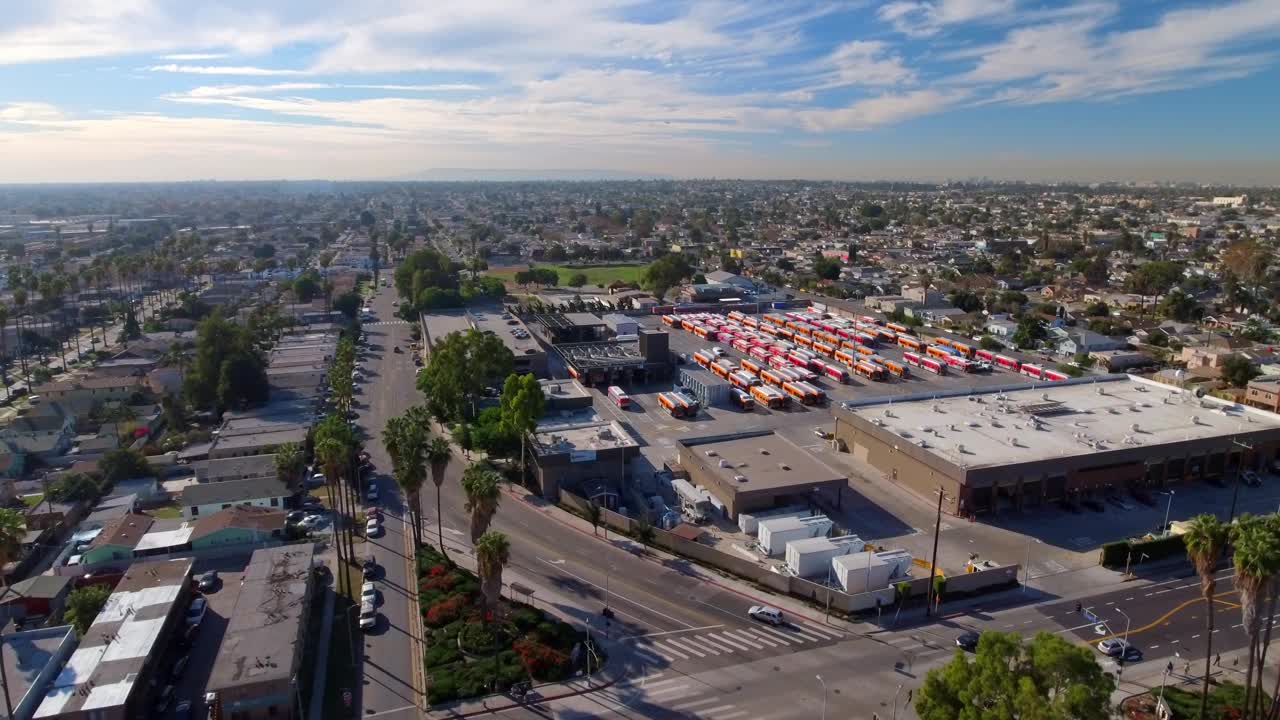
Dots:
pixel 968 641
pixel 209 581
pixel 1131 655
pixel 370 568
pixel 396 349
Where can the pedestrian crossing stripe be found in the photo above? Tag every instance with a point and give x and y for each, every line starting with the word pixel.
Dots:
pixel 384 323
pixel 727 642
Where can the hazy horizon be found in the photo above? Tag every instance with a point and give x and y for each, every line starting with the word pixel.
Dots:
pixel 916 90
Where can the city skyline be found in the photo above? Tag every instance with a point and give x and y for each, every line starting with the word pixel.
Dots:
pixel 153 90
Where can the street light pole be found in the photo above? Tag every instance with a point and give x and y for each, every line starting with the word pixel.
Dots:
pixel 1164 529
pixel 824 696
pixel 1126 629
pixel 1026 574
pixel 895 702
pixel 1235 492
pixel 933 567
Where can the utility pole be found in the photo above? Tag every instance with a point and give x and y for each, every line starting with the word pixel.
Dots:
pixel 933 566
pixel 1235 492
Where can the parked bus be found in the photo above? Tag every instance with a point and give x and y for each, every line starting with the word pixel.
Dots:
pixel 963 349
pixel 985 355
pixel 753 365
pixel 735 316
pixel 900 329
pixel 803 360
pixel 835 372
pixel 770 397
pixel 896 370
pixel 705 333
pixel 804 392
pixel 1008 363
pixel 911 358
pixel 620 398
pixel 771 319
pixel 703 358
pixel 865 338
pixel 774 376
pixel 770 329
pixel 908 343
pixel 687 324
pixel 785 334
pixel 743 379
pixel 779 361
pixel 933 366
pixel 887 336
pixel 844 356
pixel 670 320
pixel 677 404
pixel 959 363
pixel 868 319
pixel 939 351
pixel 804 341
pixel 723 368
pixel 823 348
pixel 1054 375
pixel 869 370
pixel 741 398
pixel 1034 371
pixel 741 344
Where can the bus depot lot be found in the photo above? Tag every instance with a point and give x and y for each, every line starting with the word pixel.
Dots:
pixel 920 381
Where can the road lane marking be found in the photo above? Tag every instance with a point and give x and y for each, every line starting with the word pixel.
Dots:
pixel 619 597
pixel 775 633
pixel 711 639
pixel 724 638
pixel 684 647
pixel 1158 621
pixel 808 636
pixel 758 638
pixel 671 632
pixel 750 642
pixel 730 715
pixel 667 652
pixel 696 703
pixel 718 708
pixel 812 627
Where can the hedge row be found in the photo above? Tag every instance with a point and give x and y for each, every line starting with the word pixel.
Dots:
pixel 1117 554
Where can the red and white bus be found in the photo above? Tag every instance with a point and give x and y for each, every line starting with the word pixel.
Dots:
pixel 779 361
pixel 703 358
pixel 677 404
pixel 1054 375
pixel 911 358
pixel 835 372
pixel 760 352
pixel 804 392
pixel 1032 371
pixel 933 366
pixel 909 343
pixel 769 396
pixel 869 370
pixel 803 359
pixel 743 379
pixel 619 397
pixel 985 355
pixel 959 363
pixel 1007 363
pixel 741 345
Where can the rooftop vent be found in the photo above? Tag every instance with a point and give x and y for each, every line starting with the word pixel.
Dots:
pixel 1044 396
pixel 784 466
pixel 1013 440
pixel 711 453
pixel 888 412
pixel 1135 428
pixel 1102 390
pixel 960 448
pixel 1195 419
pixel 725 463
pixel 740 478
pixel 764 451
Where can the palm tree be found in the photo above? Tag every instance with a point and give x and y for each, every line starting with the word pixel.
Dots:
pixel 1205 539
pixel 288 460
pixel 1256 558
pixel 493 550
pixel 13 526
pixel 439 455
pixel 4 349
pixel 481 485
pixel 333 456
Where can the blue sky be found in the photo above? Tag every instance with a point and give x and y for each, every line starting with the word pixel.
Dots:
pixel 123 90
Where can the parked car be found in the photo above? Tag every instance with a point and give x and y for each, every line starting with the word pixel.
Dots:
pixel 368 616
pixel 182 711
pixel 164 699
pixel 179 667
pixel 196 613
pixel 766 614
pixel 311 522
pixel 209 581
pixel 1250 478
pixel 1142 496
pixel 1113 647
pixel 372 528
pixel 370 568
pixel 372 495
pixel 1131 655
pixel 295 516
pixel 968 640
pixel 368 593
pixel 396 349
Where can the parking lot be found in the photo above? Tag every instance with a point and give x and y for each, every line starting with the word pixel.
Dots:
pixel 204 649
pixel 1050 539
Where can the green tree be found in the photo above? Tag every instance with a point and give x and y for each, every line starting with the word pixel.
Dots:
pixel 1048 678
pixel 522 404
pixel 83 606
pixel 594 514
pixel 1029 333
pixel 986 342
pixel 1180 306
pixel 123 464
pixel 826 268
pixel 966 300
pixel 482 486
pixel 460 367
pixel 577 280
pixel 493 551
pixel 1205 539
pixel 227 370
pixel 348 304
pixel 643 530
pixel 13 527
pixel 73 487
pixel 1238 370
pixel 289 462
pixel 1256 558
pixel 665 273
pixel 131 329
pixel 306 286
pixel 406 444
pixel 439 455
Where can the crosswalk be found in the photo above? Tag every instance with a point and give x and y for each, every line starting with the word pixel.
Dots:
pixel 715 642
pixel 384 323
pixel 678 695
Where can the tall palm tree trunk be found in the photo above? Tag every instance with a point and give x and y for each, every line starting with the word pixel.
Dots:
pixel 1248 677
pixel 440 526
pixel 1211 585
pixel 1266 641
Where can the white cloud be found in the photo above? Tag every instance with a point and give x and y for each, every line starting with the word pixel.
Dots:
pixel 880 110
pixel 188 57
pixel 223 70
pixel 864 62
pixel 213 91
pixel 29 112
pixel 921 18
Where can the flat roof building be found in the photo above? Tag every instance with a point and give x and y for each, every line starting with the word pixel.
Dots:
pixel 108 676
pixel 574 327
pixel 528 355
pixel 581 450
pixel 618 362
pixel 261 652
pixel 758 470
pixel 32 659
pixel 1023 445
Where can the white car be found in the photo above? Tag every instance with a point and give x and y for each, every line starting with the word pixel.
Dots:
pixel 311 522
pixel 368 616
pixel 717 351
pixel 368 593
pixel 1112 647
pixel 767 614
pixel 372 528
pixel 195 613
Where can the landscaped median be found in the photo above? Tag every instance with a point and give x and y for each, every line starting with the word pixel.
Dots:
pixel 472 652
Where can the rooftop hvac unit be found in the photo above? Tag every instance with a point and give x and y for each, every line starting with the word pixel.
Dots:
pixel 1013 440
pixel 960 448
pixel 923 443
pixel 1044 396
pixel 724 463
pixel 926 429
pixel 1102 390
pixel 974 424
pixel 711 453
pixel 936 408
pixel 783 466
pixel 1141 388
pixel 1195 419
pixel 1135 428
pixel 763 451
pixel 888 412
pixel 877 422
pixel 951 427
pixel 740 478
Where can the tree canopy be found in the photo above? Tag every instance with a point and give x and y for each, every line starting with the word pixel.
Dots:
pixel 522 402
pixel 665 273
pixel 73 487
pixel 84 604
pixel 1155 278
pixel 424 269
pixel 1047 678
pixel 227 370
pixel 123 464
pixel 460 367
pixel 1238 370
pixel 826 268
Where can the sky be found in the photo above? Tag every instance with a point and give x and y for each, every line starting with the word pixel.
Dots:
pixel 157 90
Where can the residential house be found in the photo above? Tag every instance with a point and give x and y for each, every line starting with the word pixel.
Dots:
pixel 56 516
pixel 249 467
pixel 88 391
pixel 117 540
pixel 41 596
pixel 1263 393
pixel 204 499
pixel 46 432
pixel 238 525
pixel 1206 357
pixel 1075 341
pixel 1001 328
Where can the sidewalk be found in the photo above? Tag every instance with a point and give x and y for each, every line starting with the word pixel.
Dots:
pixel 1148 676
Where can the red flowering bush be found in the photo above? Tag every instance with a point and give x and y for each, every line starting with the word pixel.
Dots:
pixel 446 611
pixel 541 661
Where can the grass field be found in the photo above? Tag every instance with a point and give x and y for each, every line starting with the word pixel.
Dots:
pixel 596 274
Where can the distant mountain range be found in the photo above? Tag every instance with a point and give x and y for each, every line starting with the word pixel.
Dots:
pixel 499 175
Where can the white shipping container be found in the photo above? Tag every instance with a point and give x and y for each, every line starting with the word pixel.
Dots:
pixel 812 557
pixel 749 523
pixel 776 533
pixel 860 572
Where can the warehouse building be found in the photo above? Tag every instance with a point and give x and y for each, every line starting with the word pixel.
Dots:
pixel 577 327
pixel 1025 445
pixel 584 453
pixel 759 470
pixel 618 362
pixel 709 389
pixel 527 354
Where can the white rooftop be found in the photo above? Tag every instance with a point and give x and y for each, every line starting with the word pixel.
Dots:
pixel 863 560
pixel 1061 420
pixel 165 538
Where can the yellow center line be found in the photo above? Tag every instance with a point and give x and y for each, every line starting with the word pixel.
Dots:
pixel 1160 620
